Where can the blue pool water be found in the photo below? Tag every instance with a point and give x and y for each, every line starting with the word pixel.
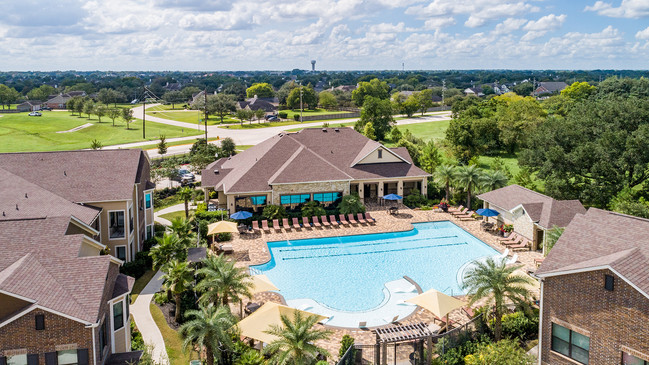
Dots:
pixel 348 273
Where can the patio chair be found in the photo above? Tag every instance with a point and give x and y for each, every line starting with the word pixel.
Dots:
pixel 393 320
pixel 255 226
pixel 454 209
pixel 511 237
pixel 350 218
pixel 538 262
pixel 264 226
pixel 518 240
pixel 362 324
pixel 325 222
pixel 343 221
pixel 285 224
pixel 460 212
pixel 360 219
pixel 468 311
pixel 333 221
pixel 369 218
pixel 305 222
pixel 276 225
pixel 315 223
pixel 466 217
pixel 524 246
pixel 296 224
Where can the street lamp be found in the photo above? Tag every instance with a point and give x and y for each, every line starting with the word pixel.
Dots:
pixel 301 107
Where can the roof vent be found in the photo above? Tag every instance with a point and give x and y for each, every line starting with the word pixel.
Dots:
pixel 324 130
pixel 17 207
pixel 216 171
pixel 337 129
pixel 64 174
pixel 25 195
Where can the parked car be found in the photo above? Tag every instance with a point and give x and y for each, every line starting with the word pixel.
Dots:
pixel 35 114
pixel 273 119
pixel 269 116
pixel 186 176
pixel 46 108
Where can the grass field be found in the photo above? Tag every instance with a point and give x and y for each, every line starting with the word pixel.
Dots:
pixel 173 215
pixel 307 113
pixel 154 146
pixel 173 342
pixel 140 284
pixel 22 133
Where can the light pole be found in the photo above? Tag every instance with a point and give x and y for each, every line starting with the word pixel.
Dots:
pixel 144 116
pixel 301 107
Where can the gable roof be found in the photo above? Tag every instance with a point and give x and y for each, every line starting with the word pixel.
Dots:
pixel 550 87
pixel 601 239
pixel 544 210
pixel 80 176
pixel 310 155
pixel 59 99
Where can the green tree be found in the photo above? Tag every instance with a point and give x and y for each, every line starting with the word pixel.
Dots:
pixel 395 135
pixel 78 105
pixel 627 202
pixel 579 91
pixel 162 145
pixel 110 96
pixel 285 90
pixel 379 113
pixel 261 89
pixel 127 115
pixel 220 104
pixel 345 343
pixel 309 98
pixel 409 106
pixel 351 204
pixel 413 150
pixel 186 194
pixel 494 282
pixel 369 132
pixel 182 228
pixel 8 96
pixel 430 157
pixel 445 175
pixel 504 352
pixel 327 100
pixel 524 89
pixel 208 328
pixel 114 113
pixel 243 114
pixel 228 147
pixel 517 117
pixel 167 248
pixel 425 100
pixel 41 93
pixel 296 340
pixel 100 111
pixel 468 177
pixel 222 281
pixel 259 114
pixel 251 357
pixel 492 180
pixel 274 212
pixel 173 98
pixel 177 278
pixel 375 88
pixel 88 108
pixel 189 91
pixel 313 209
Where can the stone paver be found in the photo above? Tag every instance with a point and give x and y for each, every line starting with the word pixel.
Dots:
pixel 145 323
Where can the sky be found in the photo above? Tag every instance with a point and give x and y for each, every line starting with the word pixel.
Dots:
pixel 212 35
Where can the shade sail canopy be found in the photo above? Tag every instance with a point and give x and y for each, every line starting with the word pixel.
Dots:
pixel 241 215
pixel 486 212
pixel 535 285
pixel 261 283
pixel 222 227
pixel 255 325
pixel 437 302
pixel 392 197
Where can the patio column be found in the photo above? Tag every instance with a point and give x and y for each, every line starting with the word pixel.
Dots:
pixel 380 189
pixel 424 186
pixel 400 187
pixel 361 191
pixel 230 202
pixel 384 356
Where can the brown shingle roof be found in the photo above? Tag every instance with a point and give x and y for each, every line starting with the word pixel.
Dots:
pixel 600 239
pixel 79 176
pixel 543 209
pixel 309 155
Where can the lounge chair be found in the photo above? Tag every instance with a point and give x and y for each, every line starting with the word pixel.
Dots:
pixel 315 223
pixel 296 224
pixel 513 243
pixel 468 311
pixel 393 320
pixel 343 221
pixel 538 262
pixel 285 224
pixel 255 226
pixel 360 219
pixel 333 221
pixel 523 246
pixel 227 248
pixel 276 225
pixel 369 218
pixel 305 222
pixel 511 237
pixel 324 220
pixel 512 260
pixel 460 212
pixel 362 324
pixel 264 226
pixel 350 218
pixel 454 209
pixel 466 217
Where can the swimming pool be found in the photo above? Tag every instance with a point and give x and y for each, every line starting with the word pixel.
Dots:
pixel 350 273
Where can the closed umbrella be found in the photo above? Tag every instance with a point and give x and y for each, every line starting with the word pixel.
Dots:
pixel 437 302
pixel 241 215
pixel 256 324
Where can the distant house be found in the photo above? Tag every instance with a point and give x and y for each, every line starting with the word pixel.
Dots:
pixel 256 103
pixel 545 88
pixel 196 97
pixel 60 101
pixel 532 214
pixel 320 85
pixel 290 169
pixel 29 106
pixel 174 86
pixel 344 88
pixel 473 91
pixel 595 292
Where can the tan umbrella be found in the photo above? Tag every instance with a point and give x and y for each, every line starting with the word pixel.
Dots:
pixel 261 283
pixel 269 314
pixel 222 227
pixel 437 302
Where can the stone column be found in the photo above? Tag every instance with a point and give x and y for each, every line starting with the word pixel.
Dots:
pixel 230 202
pixel 380 190
pixel 400 187
pixel 361 191
pixel 424 186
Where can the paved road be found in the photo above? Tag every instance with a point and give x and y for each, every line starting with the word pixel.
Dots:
pixel 145 323
pixel 243 136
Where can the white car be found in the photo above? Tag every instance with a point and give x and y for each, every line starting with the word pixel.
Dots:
pixel 186 176
pixel 35 114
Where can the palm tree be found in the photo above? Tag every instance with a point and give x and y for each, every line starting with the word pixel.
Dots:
pixel 177 278
pixel 492 180
pixel 168 248
pixel 444 174
pixel 182 227
pixel 468 177
pixel 296 338
pixel 493 280
pixel 186 194
pixel 222 281
pixel 209 328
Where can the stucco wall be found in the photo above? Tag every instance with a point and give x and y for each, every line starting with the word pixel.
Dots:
pixel 304 188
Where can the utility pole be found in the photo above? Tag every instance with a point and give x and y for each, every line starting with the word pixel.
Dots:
pixel 301 107
pixel 144 115
pixel 443 89
pixel 205 108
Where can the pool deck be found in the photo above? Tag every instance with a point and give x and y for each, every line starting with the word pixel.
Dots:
pixel 252 250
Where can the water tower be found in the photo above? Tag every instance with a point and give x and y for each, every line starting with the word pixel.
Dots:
pixel 312 65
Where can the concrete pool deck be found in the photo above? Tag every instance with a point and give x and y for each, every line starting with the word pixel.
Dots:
pixel 252 250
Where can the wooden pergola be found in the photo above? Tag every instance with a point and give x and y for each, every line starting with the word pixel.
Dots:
pixel 410 332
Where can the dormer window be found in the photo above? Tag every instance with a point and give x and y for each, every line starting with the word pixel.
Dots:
pixel 380 153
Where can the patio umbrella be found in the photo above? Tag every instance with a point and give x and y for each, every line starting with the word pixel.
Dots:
pixel 392 197
pixel 437 302
pixel 255 325
pixel 241 215
pixel 486 212
pixel 222 227
pixel 261 283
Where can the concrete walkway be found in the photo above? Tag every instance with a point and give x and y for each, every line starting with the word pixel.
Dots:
pixel 145 323
pixel 171 209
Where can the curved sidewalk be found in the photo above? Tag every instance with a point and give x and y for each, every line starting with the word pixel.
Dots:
pixel 145 323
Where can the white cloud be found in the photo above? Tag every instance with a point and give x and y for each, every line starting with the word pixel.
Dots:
pixel 438 23
pixel 643 34
pixel 627 9
pixel 539 28
pixel 480 12
pixel 509 25
pixel 389 28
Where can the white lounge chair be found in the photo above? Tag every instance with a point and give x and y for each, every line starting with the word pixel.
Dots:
pixel 409 289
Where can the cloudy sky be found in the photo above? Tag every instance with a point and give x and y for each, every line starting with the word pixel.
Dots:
pixel 339 34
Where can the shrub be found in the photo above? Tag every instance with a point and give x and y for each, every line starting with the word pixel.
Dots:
pixel 520 326
pixel 313 208
pixel 160 298
pixel 347 342
pixel 351 204
pixel 137 342
pixel 222 237
pixel 504 352
pixel 274 212
pixel 283 115
pixel 137 267
pixel 415 199
pixel 296 117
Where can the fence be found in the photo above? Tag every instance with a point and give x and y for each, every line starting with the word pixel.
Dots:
pixel 349 358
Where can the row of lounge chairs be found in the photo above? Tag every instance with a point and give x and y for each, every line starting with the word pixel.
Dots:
pixel 516 242
pixel 332 221
pixel 462 213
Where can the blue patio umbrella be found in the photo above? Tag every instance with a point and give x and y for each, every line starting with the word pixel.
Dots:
pixel 392 197
pixel 486 212
pixel 241 215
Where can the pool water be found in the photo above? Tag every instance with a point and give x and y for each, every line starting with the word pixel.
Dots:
pixel 349 273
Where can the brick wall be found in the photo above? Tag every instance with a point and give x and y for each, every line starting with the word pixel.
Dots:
pixel 612 319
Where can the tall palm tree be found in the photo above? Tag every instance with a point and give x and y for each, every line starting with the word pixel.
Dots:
pixel 492 180
pixel 168 248
pixel 493 280
pixel 177 278
pixel 186 194
pixel 468 177
pixel 182 227
pixel 208 328
pixel 444 174
pixel 295 343
pixel 222 281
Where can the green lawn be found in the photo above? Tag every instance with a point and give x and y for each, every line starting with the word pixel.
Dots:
pixel 307 112
pixel 154 146
pixel 190 116
pixel 179 214
pixel 173 341
pixel 22 133
pixel 427 131
pixel 140 284
pixel 177 106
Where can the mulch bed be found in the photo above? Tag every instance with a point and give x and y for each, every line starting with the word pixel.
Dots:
pixel 168 310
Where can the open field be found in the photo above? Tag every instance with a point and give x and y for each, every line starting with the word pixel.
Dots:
pixel 176 143
pixel 22 133
pixel 311 112
pixel 189 116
